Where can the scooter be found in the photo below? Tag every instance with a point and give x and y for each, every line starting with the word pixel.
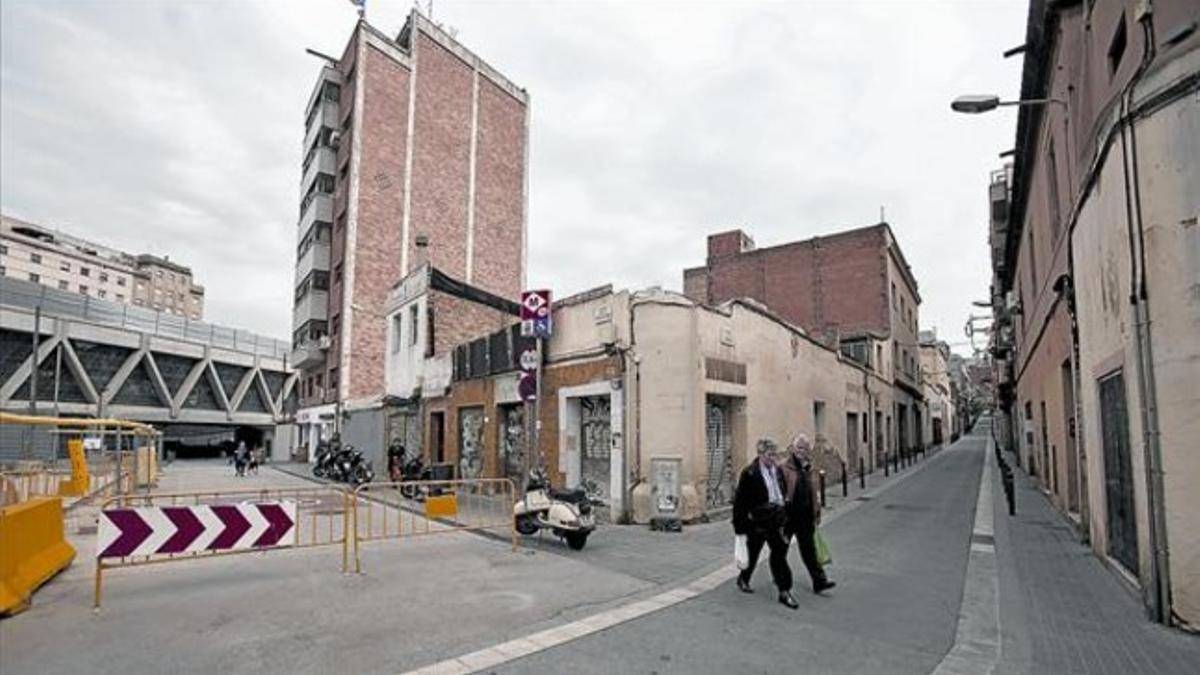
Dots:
pixel 324 466
pixel 415 470
pixel 567 513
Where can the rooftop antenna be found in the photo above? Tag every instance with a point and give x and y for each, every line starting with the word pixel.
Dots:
pixel 882 214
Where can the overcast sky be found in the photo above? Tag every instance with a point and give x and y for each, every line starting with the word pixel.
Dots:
pixel 175 128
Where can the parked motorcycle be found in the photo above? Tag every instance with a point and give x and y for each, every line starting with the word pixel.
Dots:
pixel 327 453
pixel 567 513
pixel 415 470
pixel 349 466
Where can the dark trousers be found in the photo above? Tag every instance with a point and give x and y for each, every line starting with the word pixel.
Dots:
pixel 808 552
pixel 780 571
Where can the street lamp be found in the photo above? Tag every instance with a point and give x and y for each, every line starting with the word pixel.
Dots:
pixel 978 103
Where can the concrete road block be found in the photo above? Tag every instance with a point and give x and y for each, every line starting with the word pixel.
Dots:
pixel 32 550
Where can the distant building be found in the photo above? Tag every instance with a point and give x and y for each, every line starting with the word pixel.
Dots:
pixel 852 290
pixel 414 152
pixel 52 258
pixel 940 423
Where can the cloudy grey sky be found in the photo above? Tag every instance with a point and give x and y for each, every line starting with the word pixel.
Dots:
pixel 175 127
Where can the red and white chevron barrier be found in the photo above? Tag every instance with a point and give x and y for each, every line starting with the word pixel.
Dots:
pixel 155 530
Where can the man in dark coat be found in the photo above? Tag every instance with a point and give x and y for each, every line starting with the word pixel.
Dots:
pixel 804 508
pixel 759 514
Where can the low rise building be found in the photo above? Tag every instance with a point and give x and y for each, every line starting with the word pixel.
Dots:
pixel 655 401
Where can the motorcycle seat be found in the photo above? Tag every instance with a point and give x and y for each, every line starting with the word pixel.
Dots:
pixel 576 496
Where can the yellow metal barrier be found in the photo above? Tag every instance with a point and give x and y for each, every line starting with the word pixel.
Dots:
pixel 323 518
pixel 413 508
pixel 32 549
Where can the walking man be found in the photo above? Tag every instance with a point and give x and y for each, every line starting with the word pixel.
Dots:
pixel 759 514
pixel 804 508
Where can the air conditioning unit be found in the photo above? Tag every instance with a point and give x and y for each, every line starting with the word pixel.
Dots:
pixel 335 138
pixel 323 342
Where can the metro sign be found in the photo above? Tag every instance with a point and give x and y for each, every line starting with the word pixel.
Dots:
pixel 536 314
pixel 161 530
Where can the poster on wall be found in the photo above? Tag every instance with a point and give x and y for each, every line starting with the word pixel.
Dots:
pixel 664 481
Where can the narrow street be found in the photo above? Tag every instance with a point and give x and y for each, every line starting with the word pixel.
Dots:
pixel 899 561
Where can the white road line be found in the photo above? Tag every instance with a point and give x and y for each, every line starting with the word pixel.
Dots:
pixel 504 652
pixel 977 641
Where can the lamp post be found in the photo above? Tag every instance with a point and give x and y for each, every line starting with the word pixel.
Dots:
pixel 973 104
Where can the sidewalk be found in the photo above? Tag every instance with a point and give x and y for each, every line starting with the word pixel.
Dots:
pixel 1062 610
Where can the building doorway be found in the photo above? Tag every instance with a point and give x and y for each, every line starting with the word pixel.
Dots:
pixel 470 442
pixel 437 437
pixel 1069 427
pixel 1118 472
pixel 718 451
pixel 512 442
pixel 852 440
pixel 595 434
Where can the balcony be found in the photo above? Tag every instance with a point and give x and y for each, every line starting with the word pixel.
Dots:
pixel 315 258
pixel 324 161
pixel 327 117
pixel 320 207
pixel 307 356
pixel 314 306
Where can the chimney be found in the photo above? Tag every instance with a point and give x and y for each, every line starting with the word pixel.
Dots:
pixel 422 253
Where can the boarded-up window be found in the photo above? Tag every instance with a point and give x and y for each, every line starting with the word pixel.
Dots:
pixel 725 371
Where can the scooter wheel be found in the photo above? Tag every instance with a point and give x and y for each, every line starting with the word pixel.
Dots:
pixel 577 540
pixel 526 525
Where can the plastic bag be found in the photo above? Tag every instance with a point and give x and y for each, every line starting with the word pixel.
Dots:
pixel 824 557
pixel 741 554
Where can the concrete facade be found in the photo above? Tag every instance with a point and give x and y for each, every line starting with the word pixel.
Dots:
pixel 633 382
pixel 414 154
pixel 1095 261
pixel 939 428
pixel 851 289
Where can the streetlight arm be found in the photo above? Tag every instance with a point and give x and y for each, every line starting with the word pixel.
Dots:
pixel 1035 101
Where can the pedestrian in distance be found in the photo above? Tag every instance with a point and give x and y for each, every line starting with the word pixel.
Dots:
pixel 759 514
pixel 240 458
pixel 255 458
pixel 804 508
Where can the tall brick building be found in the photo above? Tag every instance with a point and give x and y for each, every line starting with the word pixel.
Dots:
pixel 853 290
pixel 413 146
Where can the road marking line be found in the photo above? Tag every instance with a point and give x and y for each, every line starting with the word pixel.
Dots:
pixel 568 632
pixel 977 639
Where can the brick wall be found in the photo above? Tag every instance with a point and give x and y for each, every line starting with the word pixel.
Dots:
pixel 380 199
pixel 441 157
pixel 499 192
pixel 457 321
pixel 819 284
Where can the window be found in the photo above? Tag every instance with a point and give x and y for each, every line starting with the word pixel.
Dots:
pixel 2 270
pixel 104 276
pixel 34 277
pixel 879 358
pixel 120 281
pixel 35 258
pixel 83 290
pixel 3 249
pixel 62 285
pixel 1033 275
pixel 397 331
pixel 85 271
pixel 819 418
pixel 160 273
pixel 413 314
pixel 102 293
pixel 1116 48
pixel 65 266
pixel 894 295
pixel 120 298
pixel 334 324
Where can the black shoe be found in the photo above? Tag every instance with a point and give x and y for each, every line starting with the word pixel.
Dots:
pixel 823 586
pixel 744 585
pixel 786 599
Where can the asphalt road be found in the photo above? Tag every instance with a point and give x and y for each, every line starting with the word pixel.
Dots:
pixel 899 561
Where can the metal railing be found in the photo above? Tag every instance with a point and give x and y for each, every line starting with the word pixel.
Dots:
pixel 323 518
pixel 27 295
pixel 415 508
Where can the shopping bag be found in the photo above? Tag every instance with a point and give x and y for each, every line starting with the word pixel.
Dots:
pixel 824 557
pixel 741 554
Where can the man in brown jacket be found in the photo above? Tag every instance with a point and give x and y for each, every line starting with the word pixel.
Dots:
pixel 804 508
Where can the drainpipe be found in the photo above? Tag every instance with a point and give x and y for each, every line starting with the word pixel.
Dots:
pixel 1159 600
